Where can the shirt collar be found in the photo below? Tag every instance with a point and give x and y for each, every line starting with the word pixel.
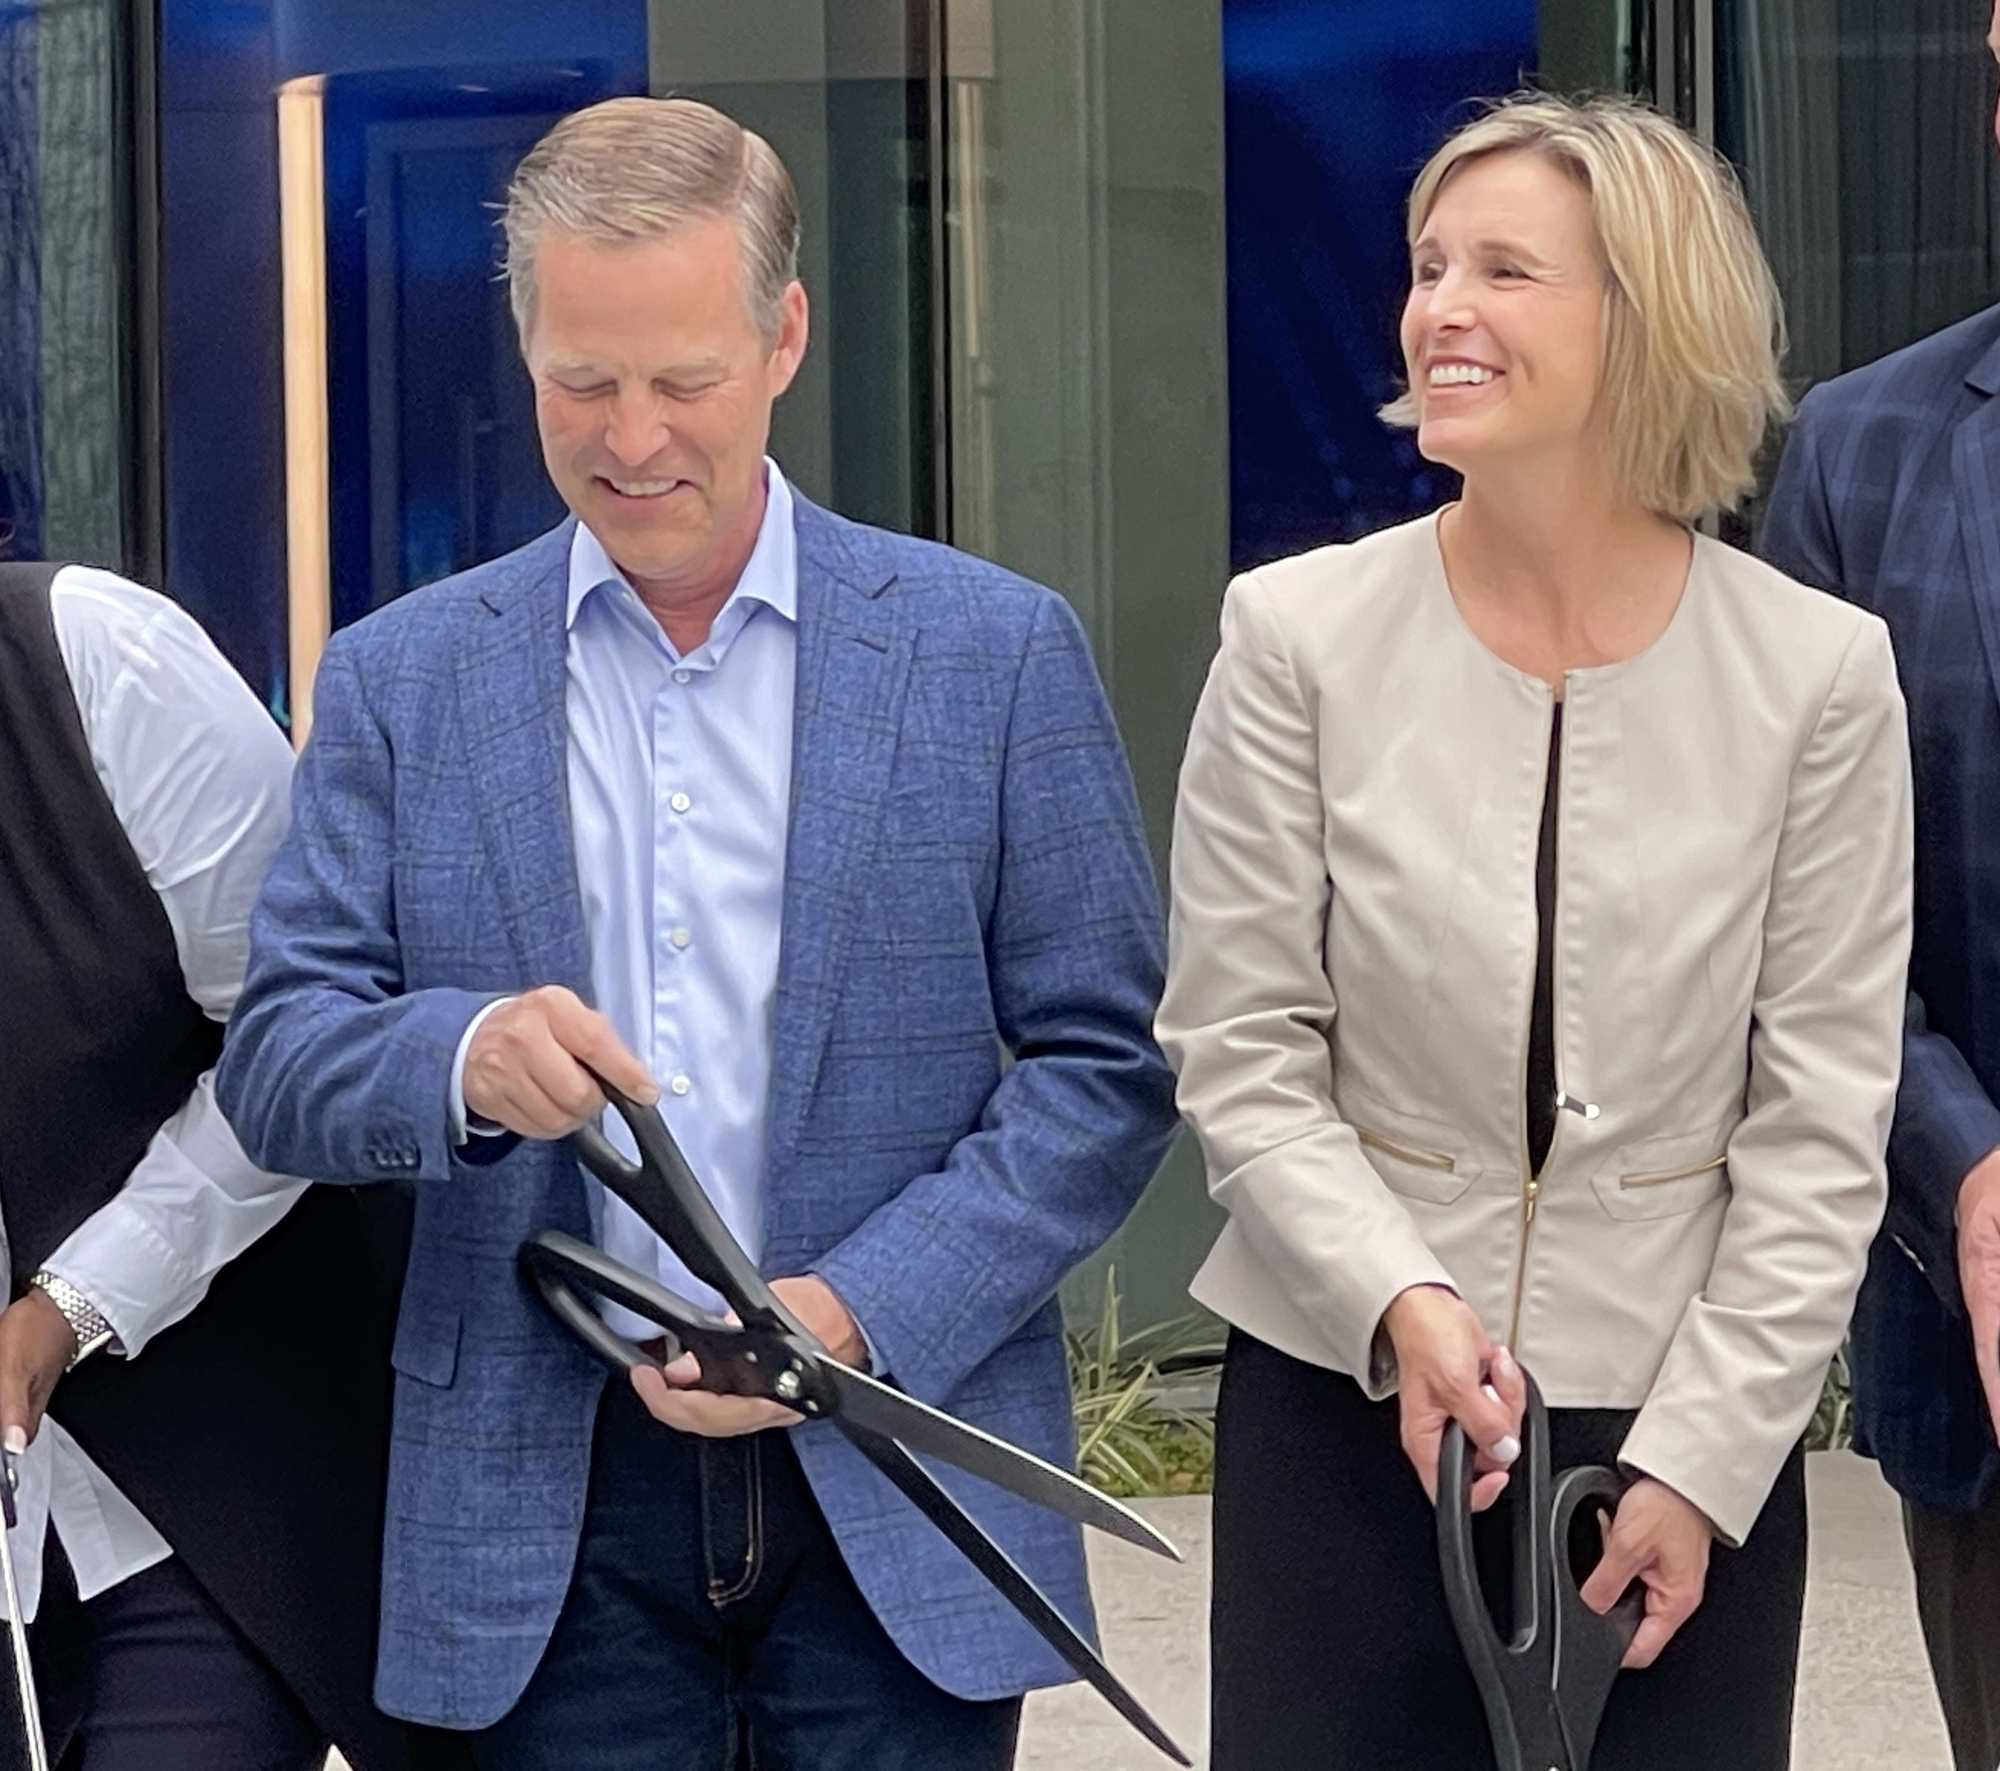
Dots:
pixel 770 577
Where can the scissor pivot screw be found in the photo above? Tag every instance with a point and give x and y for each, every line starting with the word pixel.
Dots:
pixel 787 1385
pixel 749 1357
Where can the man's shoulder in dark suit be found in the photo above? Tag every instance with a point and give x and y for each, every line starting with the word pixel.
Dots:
pixel 1905 389
pixel 1868 464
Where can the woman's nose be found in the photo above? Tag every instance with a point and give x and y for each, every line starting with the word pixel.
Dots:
pixel 1450 304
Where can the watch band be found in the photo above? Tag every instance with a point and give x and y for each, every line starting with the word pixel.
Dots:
pixel 85 1319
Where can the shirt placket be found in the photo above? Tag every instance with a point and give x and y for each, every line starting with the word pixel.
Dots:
pixel 671 934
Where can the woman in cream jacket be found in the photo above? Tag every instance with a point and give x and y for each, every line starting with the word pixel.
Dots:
pixel 1541 912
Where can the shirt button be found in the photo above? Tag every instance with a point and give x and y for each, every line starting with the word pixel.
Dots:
pixel 683 676
pixel 680 802
pixel 680 937
pixel 680 1085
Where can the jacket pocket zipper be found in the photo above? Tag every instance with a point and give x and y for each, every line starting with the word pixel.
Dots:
pixel 1416 1158
pixel 1628 1183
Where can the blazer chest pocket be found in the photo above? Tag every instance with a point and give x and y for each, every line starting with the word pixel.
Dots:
pixel 1664 1177
pixel 1416 1165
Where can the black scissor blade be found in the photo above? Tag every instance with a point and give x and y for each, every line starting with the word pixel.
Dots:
pixel 879 1409
pixel 923 1492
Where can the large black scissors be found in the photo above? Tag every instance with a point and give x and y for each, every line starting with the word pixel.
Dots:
pixel 1544 1687
pixel 767 1352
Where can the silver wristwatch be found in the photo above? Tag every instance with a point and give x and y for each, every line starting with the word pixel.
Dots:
pixel 85 1319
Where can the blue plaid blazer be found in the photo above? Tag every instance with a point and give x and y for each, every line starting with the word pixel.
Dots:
pixel 967 883
pixel 1889 494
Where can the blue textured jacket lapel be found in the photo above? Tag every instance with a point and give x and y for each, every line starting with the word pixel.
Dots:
pixel 512 680
pixel 1975 460
pixel 853 667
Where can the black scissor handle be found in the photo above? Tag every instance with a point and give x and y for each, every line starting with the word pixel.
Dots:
pixel 584 1322
pixel 735 1360
pixel 1589 1648
pixel 662 1189
pixel 1515 1676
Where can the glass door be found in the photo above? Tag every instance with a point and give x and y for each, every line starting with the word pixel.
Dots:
pixel 65 229
pixel 347 412
pixel 1864 131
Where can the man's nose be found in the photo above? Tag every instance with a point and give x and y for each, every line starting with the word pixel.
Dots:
pixel 637 428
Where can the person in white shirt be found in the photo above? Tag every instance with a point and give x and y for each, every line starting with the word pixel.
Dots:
pixel 167 787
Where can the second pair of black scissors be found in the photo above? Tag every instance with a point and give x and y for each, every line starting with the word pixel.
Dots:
pixel 766 1352
pixel 1544 1687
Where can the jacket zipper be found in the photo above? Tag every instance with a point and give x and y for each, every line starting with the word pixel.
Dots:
pixel 1531 1185
pixel 1628 1182
pixel 1416 1158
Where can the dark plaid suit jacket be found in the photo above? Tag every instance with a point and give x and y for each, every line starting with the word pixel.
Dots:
pixel 1889 494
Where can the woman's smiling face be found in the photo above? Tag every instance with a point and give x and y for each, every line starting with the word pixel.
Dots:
pixel 1504 330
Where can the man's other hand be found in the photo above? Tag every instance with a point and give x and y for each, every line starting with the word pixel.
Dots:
pixel 36 1346
pixel 671 1395
pixel 1979 1271
pixel 529 1066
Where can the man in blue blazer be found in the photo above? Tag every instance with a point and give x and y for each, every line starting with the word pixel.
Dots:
pixel 1889 494
pixel 823 838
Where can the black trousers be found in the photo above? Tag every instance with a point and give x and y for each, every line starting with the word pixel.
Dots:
pixel 150 1676
pixel 1332 1647
pixel 1956 1557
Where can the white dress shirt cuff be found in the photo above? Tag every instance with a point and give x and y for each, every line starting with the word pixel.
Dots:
pixel 874 1365
pixel 464 1124
pixel 194 1202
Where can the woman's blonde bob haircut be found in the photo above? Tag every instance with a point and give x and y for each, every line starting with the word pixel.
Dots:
pixel 1696 327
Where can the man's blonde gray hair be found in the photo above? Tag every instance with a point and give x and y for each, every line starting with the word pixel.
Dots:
pixel 1696 325
pixel 634 169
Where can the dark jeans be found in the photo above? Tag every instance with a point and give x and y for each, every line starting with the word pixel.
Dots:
pixel 1333 1647
pixel 1956 1557
pixel 150 1676
pixel 711 1625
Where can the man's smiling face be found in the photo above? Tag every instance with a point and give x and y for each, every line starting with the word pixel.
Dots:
pixel 653 393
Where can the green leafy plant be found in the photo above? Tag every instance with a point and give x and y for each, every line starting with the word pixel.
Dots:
pixel 1832 1427
pixel 1130 1439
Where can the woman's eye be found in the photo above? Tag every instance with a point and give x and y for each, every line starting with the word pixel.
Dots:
pixel 1427 273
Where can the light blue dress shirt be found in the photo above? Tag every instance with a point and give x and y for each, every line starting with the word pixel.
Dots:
pixel 680 776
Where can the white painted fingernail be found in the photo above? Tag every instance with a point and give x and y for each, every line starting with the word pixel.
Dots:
pixel 1503 1362
pixel 1506 1450
pixel 1489 1392
pixel 17 1440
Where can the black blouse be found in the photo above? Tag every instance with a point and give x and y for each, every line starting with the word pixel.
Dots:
pixel 1542 1016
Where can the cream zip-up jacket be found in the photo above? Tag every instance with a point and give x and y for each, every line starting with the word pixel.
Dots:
pixel 1353 959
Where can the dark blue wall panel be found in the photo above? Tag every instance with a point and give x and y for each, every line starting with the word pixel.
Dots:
pixel 433 457
pixel 20 288
pixel 1332 108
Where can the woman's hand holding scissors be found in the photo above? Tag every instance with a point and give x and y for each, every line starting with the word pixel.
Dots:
pixel 1448 1369
pixel 1662 1539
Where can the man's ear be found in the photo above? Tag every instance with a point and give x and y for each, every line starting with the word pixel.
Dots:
pixel 794 330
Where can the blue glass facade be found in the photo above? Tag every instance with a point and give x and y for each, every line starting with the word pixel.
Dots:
pixel 431 432
pixel 1332 107
pixel 20 287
